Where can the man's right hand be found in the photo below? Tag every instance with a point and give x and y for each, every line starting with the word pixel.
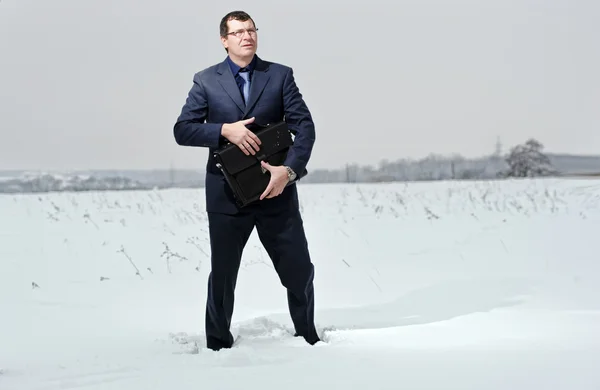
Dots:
pixel 238 134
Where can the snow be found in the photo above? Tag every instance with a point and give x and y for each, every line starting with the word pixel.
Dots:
pixel 442 285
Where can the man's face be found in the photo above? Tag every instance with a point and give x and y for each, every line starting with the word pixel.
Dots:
pixel 242 40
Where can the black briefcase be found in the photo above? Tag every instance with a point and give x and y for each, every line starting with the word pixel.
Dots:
pixel 244 173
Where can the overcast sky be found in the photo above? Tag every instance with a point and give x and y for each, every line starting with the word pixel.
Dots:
pixel 99 84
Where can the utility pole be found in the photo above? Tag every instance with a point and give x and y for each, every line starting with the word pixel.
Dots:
pixel 498 151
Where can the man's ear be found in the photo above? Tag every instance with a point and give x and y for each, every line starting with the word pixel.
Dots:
pixel 224 43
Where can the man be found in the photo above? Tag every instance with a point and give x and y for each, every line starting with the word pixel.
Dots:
pixel 224 98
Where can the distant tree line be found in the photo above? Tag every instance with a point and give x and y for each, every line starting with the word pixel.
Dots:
pixel 524 160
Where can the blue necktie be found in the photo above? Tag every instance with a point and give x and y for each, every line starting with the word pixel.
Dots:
pixel 246 87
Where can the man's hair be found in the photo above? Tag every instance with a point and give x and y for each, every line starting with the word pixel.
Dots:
pixel 233 15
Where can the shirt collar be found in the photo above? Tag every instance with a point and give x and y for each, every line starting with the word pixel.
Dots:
pixel 235 68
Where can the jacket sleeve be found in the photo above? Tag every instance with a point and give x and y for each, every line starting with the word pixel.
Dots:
pixel 300 123
pixel 191 128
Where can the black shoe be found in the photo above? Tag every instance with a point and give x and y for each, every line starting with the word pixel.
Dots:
pixel 216 344
pixel 311 342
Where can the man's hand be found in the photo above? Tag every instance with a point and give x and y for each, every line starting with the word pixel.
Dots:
pixel 279 179
pixel 238 134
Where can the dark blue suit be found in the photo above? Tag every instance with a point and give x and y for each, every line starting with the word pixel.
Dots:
pixel 213 100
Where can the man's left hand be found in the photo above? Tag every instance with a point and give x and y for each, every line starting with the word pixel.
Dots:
pixel 279 179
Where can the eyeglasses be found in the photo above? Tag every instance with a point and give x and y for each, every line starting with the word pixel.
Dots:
pixel 240 33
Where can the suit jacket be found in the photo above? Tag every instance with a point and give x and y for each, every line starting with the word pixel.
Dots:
pixel 215 99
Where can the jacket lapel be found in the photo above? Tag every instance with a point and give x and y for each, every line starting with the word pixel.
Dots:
pixel 260 78
pixel 228 83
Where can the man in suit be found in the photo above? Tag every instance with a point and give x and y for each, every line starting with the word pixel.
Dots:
pixel 223 99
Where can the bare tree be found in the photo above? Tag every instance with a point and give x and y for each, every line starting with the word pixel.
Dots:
pixel 527 160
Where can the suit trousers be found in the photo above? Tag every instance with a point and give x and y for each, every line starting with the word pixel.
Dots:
pixel 282 234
